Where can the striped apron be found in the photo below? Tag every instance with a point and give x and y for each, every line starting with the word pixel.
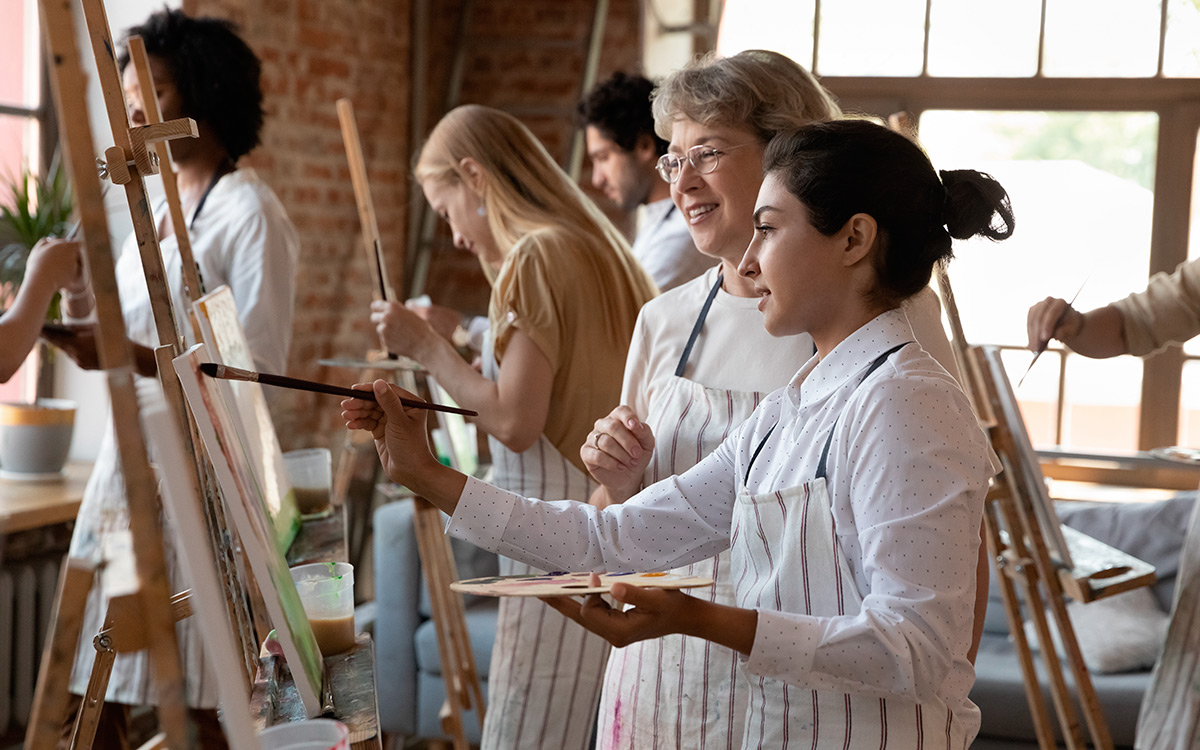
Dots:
pixel 785 557
pixel 545 675
pixel 679 691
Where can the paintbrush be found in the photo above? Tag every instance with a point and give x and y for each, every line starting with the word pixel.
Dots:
pixel 1061 317
pixel 214 370
pixel 383 292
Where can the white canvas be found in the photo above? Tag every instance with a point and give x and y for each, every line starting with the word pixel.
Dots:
pixel 209 605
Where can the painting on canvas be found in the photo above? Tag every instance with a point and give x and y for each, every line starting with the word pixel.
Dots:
pixel 221 331
pixel 208 399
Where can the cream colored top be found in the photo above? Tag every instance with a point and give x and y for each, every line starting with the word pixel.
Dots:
pixel 1167 312
pixel 577 296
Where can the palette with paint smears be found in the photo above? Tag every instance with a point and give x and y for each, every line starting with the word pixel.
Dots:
pixel 573 584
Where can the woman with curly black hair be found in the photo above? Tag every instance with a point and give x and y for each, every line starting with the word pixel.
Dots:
pixel 241 237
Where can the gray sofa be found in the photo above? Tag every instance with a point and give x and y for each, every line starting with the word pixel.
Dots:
pixel 409 676
pixel 1150 531
pixel 408 669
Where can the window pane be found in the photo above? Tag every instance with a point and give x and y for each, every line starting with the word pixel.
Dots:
pixel 1102 37
pixel 18 147
pixel 1101 400
pixel 1102 403
pixel 768 24
pixel 871 38
pixel 1189 405
pixel 19 53
pixel 1192 346
pixel 1182 54
pixel 1080 188
pixel 957 46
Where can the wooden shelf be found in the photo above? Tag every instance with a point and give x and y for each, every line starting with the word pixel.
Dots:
pixel 28 505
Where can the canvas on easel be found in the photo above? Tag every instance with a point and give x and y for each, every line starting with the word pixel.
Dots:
pixel 1030 468
pixel 221 330
pixel 207 600
pixel 209 400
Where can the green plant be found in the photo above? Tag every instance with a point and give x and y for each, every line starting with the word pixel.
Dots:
pixel 31 207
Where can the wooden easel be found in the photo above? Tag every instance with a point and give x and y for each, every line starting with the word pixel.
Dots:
pixel 1029 574
pixel 437 559
pixel 116 358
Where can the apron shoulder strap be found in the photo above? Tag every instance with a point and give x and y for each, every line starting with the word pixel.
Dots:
pixel 687 350
pixel 821 472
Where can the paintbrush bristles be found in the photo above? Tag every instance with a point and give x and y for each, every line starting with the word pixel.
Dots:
pixel 225 372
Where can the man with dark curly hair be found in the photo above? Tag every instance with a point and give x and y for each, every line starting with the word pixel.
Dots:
pixel 241 237
pixel 624 150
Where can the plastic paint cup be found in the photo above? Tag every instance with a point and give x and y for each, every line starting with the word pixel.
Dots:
pixel 327 593
pixel 310 472
pixel 311 734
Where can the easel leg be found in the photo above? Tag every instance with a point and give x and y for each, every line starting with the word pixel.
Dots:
pixel 50 698
pixel 93 700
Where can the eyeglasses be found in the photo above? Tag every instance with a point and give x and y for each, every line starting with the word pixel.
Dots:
pixel 704 159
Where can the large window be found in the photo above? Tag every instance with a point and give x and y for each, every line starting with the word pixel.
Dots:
pixel 1088 112
pixel 20 120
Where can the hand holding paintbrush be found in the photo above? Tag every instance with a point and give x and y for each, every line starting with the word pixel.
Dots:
pixel 1052 318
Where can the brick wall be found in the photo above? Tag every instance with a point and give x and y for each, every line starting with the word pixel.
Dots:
pixel 526 56
pixel 313 53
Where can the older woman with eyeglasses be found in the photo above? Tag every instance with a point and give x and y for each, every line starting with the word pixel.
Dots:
pixel 699 363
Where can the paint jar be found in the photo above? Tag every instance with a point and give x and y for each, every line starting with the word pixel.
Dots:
pixel 310 734
pixel 327 593
pixel 310 472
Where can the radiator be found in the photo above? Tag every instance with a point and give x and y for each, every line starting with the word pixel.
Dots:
pixel 27 591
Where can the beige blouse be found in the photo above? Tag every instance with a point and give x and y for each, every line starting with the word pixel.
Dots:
pixel 577 296
pixel 1167 312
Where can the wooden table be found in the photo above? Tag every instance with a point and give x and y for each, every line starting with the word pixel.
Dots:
pixel 31 505
pixel 351 675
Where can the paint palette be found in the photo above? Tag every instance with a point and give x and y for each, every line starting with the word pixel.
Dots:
pixel 1177 453
pixel 572 584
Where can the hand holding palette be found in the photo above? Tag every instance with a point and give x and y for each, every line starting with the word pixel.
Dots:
pixel 573 584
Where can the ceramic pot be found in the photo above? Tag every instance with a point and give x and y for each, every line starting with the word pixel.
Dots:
pixel 35 438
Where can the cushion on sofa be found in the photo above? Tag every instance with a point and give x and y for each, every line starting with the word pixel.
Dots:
pixel 1152 532
pixel 1117 634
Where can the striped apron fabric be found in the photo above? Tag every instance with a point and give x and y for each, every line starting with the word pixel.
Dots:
pixel 679 691
pixel 546 671
pixel 785 557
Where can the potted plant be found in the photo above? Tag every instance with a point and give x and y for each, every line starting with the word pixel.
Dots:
pixel 34 437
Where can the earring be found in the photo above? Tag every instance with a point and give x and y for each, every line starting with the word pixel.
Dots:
pixel 482 211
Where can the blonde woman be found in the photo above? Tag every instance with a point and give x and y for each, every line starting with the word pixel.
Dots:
pixel 565 295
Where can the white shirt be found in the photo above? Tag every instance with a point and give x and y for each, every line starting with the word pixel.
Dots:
pixel 908 470
pixel 664 246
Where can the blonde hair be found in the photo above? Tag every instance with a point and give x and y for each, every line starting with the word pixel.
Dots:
pixel 758 90
pixel 523 189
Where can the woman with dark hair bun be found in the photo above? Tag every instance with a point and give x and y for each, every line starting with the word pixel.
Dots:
pixel 850 500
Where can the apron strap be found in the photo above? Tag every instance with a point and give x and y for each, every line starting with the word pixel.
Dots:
pixel 758 450
pixel 874 366
pixel 687 350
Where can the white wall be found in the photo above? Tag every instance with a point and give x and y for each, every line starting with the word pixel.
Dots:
pixel 90 389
